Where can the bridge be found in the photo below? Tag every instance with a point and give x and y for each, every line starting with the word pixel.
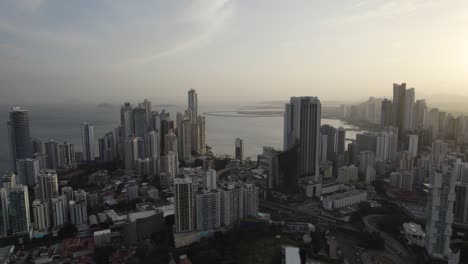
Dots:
pixel 318 219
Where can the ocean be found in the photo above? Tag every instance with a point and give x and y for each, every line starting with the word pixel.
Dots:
pixel 63 123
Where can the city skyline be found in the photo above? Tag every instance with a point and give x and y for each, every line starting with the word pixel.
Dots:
pixel 234 131
pixel 49 53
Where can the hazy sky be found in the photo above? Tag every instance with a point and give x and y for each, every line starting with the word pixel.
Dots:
pixel 113 50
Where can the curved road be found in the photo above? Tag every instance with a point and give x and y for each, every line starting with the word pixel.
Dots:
pixel 390 243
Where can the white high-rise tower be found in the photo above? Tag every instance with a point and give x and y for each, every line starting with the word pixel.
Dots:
pixel 439 212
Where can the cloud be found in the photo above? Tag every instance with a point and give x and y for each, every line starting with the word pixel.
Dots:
pixel 209 16
pixel 28 5
pixel 368 10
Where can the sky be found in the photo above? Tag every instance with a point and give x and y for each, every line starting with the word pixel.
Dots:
pixel 60 51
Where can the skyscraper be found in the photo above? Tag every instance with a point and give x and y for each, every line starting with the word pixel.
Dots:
pixel 68 154
pixel 37 146
pixel 386 114
pixel 208 206
pixel 413 144
pixel 126 121
pixel 140 121
pixel 28 170
pixel 439 212
pixel 239 151
pixel 201 135
pixel 433 122
pixel 185 140
pixel 87 138
pixel 41 215
pixel 4 216
pixel 47 185
pixel 171 142
pixel 18 210
pixel 147 105
pixel 330 132
pixel 399 91
pixel 19 134
pixel 152 147
pixel 420 114
pixel 409 109
pixel 107 151
pixel 59 211
pixel 78 212
pixel 340 140
pixel 183 205
pixel 193 105
pixel 302 126
pixel 53 157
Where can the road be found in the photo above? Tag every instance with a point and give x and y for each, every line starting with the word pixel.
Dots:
pixel 316 217
pixel 390 243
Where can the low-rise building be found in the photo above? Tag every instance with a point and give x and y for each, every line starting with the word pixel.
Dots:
pixel 345 199
pixel 414 234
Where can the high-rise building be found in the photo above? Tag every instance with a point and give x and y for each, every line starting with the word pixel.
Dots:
pixel 420 114
pixel 406 161
pixel 268 161
pixel 386 114
pixel 59 211
pixel 439 151
pixel 18 210
pixel 231 204
pixel 413 144
pixel 185 140
pixel 340 140
pixel 239 150
pixel 147 105
pixel 439 213
pixel 366 159
pixel 140 121
pixel 152 146
pixel 302 127
pixel 409 109
pixel 126 121
pixel 37 146
pixel 87 138
pixel 193 105
pixel 366 142
pixel 433 122
pixel 53 157
pixel 250 200
pixel 399 91
pixel 387 143
pixel 28 169
pixel 41 215
pixel 47 185
pixel 107 150
pixel 460 207
pixel 208 206
pixel 78 212
pixel 9 180
pixel 171 142
pixel 68 154
pixel 134 150
pixel 209 179
pixel 67 191
pixel 330 133
pixel 184 205
pixel 201 135
pixel 402 180
pixel 19 134
pixel 132 191
pixel 4 216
